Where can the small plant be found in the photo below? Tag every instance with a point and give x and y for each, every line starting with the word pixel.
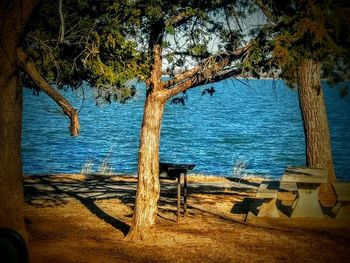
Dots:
pixel 87 167
pixel 239 169
pixel 105 168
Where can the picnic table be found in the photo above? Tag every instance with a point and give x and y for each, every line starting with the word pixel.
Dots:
pixel 308 181
pixel 174 171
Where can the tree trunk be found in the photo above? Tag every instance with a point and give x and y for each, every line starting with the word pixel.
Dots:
pixel 41 83
pixel 14 16
pixel 315 122
pixel 157 94
pixel 11 188
pixel 148 187
pixel 145 211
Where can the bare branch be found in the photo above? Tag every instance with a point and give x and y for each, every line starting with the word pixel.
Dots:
pixel 62 20
pixel 29 67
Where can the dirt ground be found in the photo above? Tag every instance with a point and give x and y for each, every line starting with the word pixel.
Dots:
pixel 79 218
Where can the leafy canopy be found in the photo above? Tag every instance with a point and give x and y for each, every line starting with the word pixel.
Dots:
pixel 106 43
pixel 94 49
pixel 306 29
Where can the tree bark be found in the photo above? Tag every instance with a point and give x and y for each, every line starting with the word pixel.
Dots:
pixel 14 16
pixel 41 83
pixel 145 211
pixel 148 187
pixel 315 122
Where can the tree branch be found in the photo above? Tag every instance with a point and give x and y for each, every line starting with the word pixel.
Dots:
pixel 29 67
pixel 211 69
pixel 179 19
pixel 187 14
pixel 61 34
pixel 189 54
pixel 220 60
pixel 220 76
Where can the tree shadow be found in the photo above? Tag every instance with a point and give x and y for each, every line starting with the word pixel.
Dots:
pixel 51 190
pixel 46 191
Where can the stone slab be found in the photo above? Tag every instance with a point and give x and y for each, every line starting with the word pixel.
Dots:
pixel 265 192
pixel 301 174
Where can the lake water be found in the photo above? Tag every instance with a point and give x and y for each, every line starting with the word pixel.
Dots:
pixel 256 123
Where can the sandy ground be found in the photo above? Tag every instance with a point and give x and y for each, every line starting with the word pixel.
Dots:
pixel 78 218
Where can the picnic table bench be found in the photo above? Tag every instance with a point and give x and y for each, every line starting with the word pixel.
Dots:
pixel 308 182
pixel 269 195
pixel 174 171
pixel 342 191
pixel 270 192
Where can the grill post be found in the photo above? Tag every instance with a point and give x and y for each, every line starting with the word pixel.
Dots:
pixel 174 171
pixel 185 194
pixel 178 198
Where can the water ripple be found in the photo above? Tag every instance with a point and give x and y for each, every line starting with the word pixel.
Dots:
pixel 259 124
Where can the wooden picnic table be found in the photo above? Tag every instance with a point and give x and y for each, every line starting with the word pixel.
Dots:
pixel 174 171
pixel 308 182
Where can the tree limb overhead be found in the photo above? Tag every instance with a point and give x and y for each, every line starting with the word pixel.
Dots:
pixel 29 67
pixel 205 69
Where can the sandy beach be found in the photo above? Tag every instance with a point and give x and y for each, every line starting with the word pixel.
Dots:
pixel 84 218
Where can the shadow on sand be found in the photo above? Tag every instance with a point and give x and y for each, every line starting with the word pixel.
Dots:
pixel 54 190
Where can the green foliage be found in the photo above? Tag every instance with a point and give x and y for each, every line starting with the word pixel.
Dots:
pixel 96 48
pixel 204 29
pixel 198 49
pixel 316 30
pixel 106 42
pixel 170 30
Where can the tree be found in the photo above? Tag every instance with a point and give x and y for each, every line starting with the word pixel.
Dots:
pixel 98 44
pixel 80 44
pixel 85 53
pixel 14 17
pixel 309 41
pixel 195 22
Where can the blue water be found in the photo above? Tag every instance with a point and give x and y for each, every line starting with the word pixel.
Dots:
pixel 256 122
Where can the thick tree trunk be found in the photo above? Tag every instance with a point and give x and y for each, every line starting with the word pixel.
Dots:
pixel 14 15
pixel 11 188
pixel 148 187
pixel 315 122
pixel 41 83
